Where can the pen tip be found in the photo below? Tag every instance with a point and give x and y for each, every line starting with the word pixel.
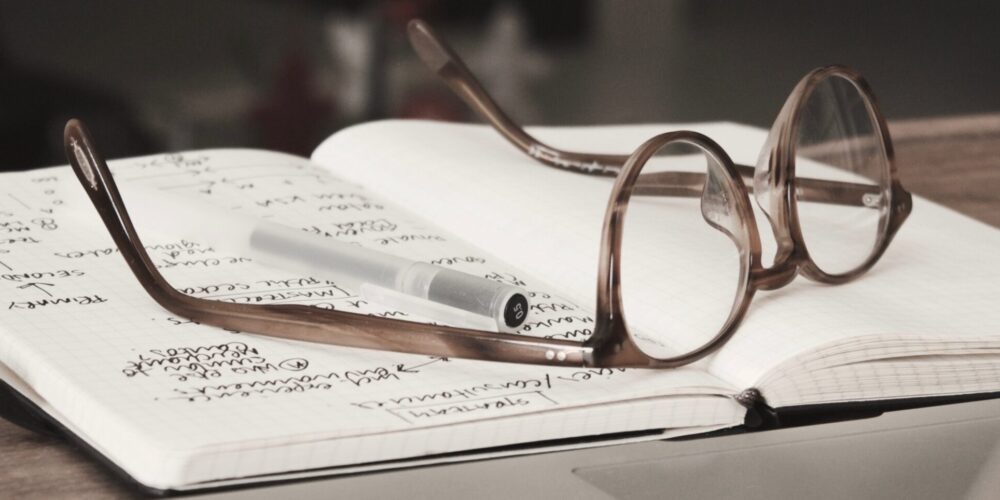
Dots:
pixel 515 311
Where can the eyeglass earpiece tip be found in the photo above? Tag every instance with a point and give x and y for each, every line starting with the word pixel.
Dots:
pixel 428 46
pixel 72 128
pixel 75 138
pixel 415 24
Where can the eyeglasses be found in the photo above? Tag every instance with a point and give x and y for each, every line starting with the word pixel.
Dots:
pixel 718 189
pixel 825 179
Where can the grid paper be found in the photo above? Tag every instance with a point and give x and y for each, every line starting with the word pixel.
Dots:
pixel 933 292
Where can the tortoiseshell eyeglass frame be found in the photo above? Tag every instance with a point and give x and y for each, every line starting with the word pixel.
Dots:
pixel 778 191
pixel 611 345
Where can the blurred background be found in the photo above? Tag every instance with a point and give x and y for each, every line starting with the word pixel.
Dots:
pixel 162 75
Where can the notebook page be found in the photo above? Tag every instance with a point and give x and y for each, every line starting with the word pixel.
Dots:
pixel 161 393
pixel 935 285
pixel 922 375
pixel 624 414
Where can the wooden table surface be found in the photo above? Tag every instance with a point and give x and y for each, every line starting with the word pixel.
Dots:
pixel 953 161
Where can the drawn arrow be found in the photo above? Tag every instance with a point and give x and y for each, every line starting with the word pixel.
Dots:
pixel 38 286
pixel 400 368
pixel 25 205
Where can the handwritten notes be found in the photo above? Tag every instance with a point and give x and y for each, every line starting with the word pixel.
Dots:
pixel 140 380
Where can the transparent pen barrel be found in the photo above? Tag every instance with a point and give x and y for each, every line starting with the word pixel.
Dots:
pixel 355 266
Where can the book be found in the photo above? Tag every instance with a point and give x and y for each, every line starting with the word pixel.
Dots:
pixel 178 406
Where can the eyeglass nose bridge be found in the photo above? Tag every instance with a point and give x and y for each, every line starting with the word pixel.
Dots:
pixel 773 278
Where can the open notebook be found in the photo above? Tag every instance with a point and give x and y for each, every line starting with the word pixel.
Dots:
pixel 178 406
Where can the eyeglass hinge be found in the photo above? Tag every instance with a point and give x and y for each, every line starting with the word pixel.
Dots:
pixel 759 415
pixel 749 398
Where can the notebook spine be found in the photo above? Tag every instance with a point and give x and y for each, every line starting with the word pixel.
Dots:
pixel 17 410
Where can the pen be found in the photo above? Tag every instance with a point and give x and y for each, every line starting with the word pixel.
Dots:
pixel 435 292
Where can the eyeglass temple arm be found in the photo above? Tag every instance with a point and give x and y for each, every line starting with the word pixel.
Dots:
pixel 443 61
pixel 300 322
pixel 691 184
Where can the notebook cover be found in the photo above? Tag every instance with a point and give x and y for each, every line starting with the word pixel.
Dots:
pixel 795 416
